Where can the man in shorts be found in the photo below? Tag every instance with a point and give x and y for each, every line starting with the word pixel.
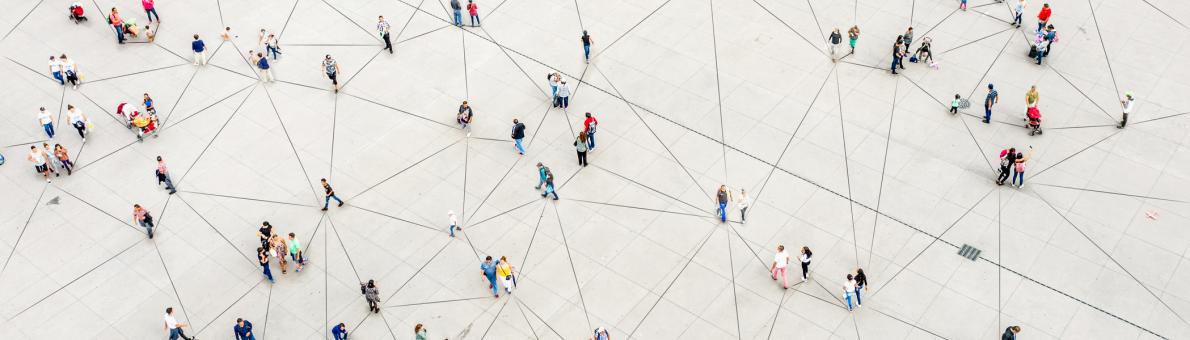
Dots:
pixel 39 160
pixel 332 70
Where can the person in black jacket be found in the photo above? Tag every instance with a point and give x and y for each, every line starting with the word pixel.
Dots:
pixel 861 282
pixel 518 134
pixel 1010 333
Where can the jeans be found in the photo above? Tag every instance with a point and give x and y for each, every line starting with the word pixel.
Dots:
pixel 1040 25
pixel 152 12
pixel 987 113
pixel 540 182
pixel 858 301
pixel 553 92
pixel 590 139
pixel 781 272
pixel 495 287
pixel 328 201
pixel 549 189
pixel 388 43
pixel 148 227
pixel 458 18
pixel 474 20
pixel 562 102
pixel 587 52
pixel 847 295
pixel 1018 175
pixel 58 76
pixel 895 61
pixel 119 33
pixel 268 273
pixel 169 184
pixel 82 128
pixel 452 230
pixel 519 147
pixel 272 49
pixel 1040 55
pixel 723 211
pixel 175 333
pixel 49 129
pixel 1017 20
pixel 582 158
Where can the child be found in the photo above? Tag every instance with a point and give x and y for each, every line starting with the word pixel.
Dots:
pixel 149 34
pixel 954 104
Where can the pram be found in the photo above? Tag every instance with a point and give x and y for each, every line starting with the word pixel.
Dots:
pixel 76 13
pixel 1033 121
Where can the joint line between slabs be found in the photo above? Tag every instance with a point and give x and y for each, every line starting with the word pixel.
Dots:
pixel 12 252
pixel 793 135
pixel 331 227
pixel 795 32
pixel 216 136
pixel 675 280
pixel 302 165
pixel 883 167
pixel 435 153
pixel 630 29
pixel 847 170
pixel 719 98
pixel 18 24
pixel 569 257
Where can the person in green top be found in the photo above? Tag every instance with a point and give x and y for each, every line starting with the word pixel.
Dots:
pixel 421 332
pixel 954 104
pixel 295 251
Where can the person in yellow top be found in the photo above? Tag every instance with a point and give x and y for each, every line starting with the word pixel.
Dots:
pixel 1031 98
pixel 504 271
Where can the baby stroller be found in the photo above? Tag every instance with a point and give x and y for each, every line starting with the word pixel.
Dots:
pixel 146 125
pixel 1033 121
pixel 76 13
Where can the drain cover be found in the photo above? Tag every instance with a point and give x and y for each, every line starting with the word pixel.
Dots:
pixel 971 253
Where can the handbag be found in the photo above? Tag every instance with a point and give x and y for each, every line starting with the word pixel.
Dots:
pixel 913 59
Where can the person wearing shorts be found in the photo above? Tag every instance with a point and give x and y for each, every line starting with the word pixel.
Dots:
pixel 332 70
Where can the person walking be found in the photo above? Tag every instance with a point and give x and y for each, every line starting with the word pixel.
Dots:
pixel 263 64
pixel 71 70
pixel 488 270
pixel 1043 17
pixel 46 120
pixel 993 98
pixel 723 197
pixel 454 222
pixel 331 67
pixel 853 37
pixel 780 262
pixel 330 193
pixel 372 294
pixel 473 10
pixel 542 171
pixel 1042 45
pixel 555 80
pixel 54 163
pixel 742 202
pixel 40 162
pixel 806 256
pixel 861 281
pixel 295 252
pixel 465 115
pixel 908 36
pixel 586 38
pixel 420 332
pixel 518 134
pixel 265 233
pixel 457 9
pixel 504 271
pixel 580 146
pixel 262 257
pixel 117 24
pixel 243 330
pixel 173 327
pixel 589 126
pixel 563 96
pixel 1126 105
pixel 141 216
pixel 56 70
pixel 1018 11
pixel 383 27
pixel 200 51
pixel 1010 333
pixel 78 120
pixel 848 288
pixel 549 186
pixel 1007 159
pixel 63 158
pixel 1018 170
pixel 163 176
pixel 340 331
pixel 272 46
pixel 835 39
pixel 150 10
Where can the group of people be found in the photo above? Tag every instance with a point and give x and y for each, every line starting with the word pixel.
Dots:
pixel 48 160
pixel 724 198
pixel 500 270
pixel 836 38
pixel 273 246
pixel 64 70
pixel 1014 161
pixel 127 27
pixel 472 10
pixel 904 42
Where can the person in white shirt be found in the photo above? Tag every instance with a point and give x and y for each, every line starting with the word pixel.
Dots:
pixel 1126 103
pixel 742 202
pixel 848 288
pixel 780 261
pixel 805 258
pixel 39 162
pixel 47 122
pixel 78 120
pixel 56 70
pixel 454 222
pixel 71 70
pixel 174 327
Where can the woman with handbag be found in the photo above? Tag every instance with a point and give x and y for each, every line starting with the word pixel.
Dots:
pixel 504 271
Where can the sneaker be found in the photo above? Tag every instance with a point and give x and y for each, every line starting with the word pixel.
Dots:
pixel 47 180
pixel 84 140
pixel 340 204
pixel 323 209
pixel 171 192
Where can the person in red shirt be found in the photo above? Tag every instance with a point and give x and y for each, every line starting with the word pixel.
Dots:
pixel 589 127
pixel 1043 17
pixel 473 9
pixel 150 11
pixel 117 24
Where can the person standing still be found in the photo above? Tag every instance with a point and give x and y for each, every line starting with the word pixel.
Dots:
pixel 40 162
pixel 1010 333
pixel 563 96
pixel 163 176
pixel 150 10
pixel 384 27
pixel 420 332
pixel 723 197
pixel 243 330
pixel 1126 105
pixel 332 71
pixel 853 37
pixel 473 10
pixel 589 126
pixel 173 327
pixel 805 259
pixel 1043 17
pixel 780 262
pixel 56 70
pixel 908 41
pixel 262 257
pixel 454 222
pixel 465 115
pixel 1019 168
pixel 330 193
pixel 372 294
pixel 117 24
pixel 263 64
pixel 457 9
pixel 1007 159
pixel 200 51
pixel 586 38
pixel 897 54
pixel 141 216
pixel 63 157
pixel 518 134
pixel 47 122
pixel 1018 12
pixel 993 98
pixel 580 146
pixel 340 331
pixel 295 252
pixel 835 39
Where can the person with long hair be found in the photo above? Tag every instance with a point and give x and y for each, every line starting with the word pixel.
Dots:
pixel 805 258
